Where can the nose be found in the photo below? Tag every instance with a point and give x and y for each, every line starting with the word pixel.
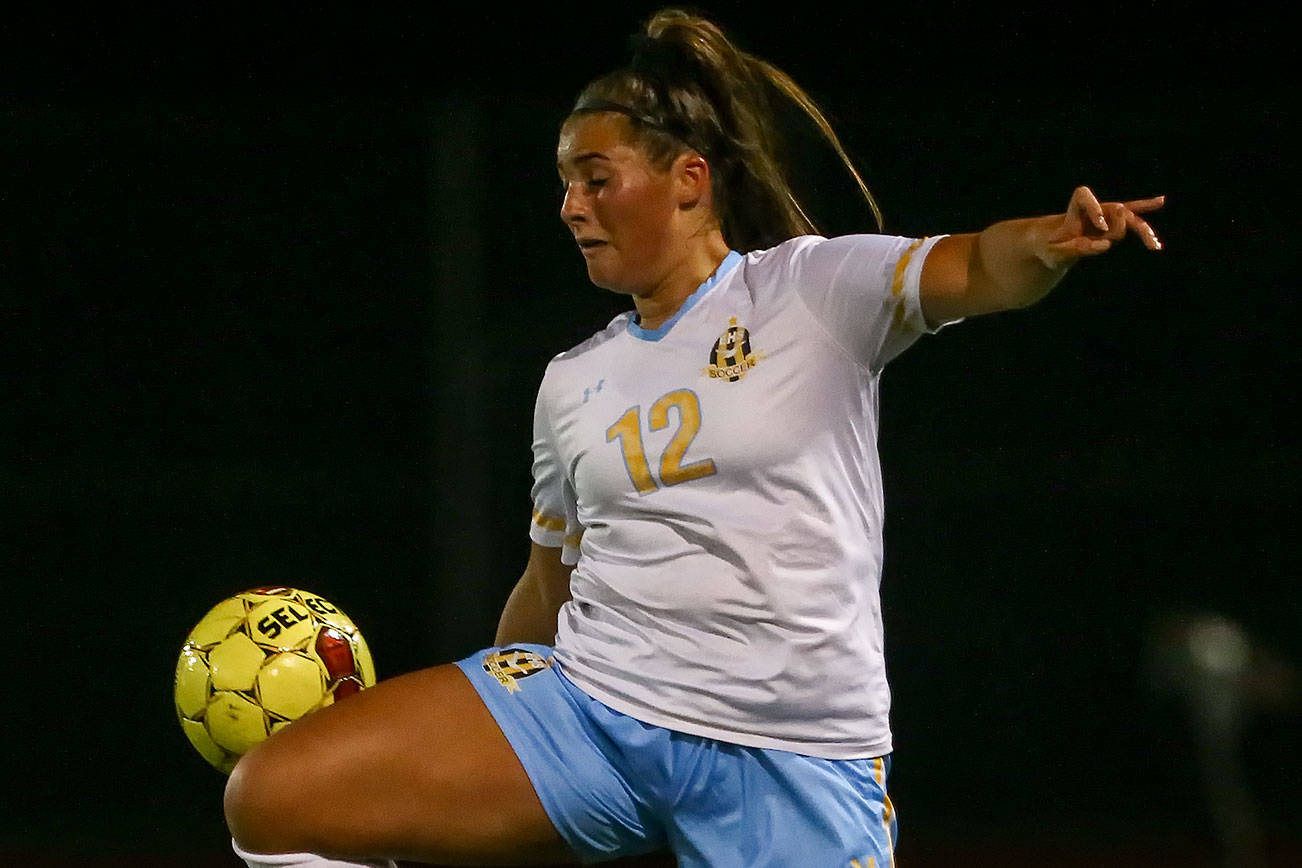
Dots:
pixel 573 206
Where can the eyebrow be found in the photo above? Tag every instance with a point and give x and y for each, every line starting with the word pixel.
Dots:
pixel 585 157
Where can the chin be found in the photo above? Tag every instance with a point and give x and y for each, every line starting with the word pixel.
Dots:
pixel 604 280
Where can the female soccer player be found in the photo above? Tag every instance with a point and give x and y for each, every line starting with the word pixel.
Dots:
pixel 692 659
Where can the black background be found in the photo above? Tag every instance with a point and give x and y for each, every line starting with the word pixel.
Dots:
pixel 279 287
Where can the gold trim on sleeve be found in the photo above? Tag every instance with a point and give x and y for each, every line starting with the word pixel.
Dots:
pixel 897 282
pixel 548 522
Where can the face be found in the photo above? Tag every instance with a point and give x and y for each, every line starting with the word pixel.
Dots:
pixel 621 209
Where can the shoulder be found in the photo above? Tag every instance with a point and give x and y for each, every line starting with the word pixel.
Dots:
pixel 616 327
pixel 858 259
pixel 767 274
pixel 813 253
pixel 575 361
pixel 780 256
pixel 813 263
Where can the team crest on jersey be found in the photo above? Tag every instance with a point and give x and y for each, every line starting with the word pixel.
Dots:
pixel 732 357
pixel 514 663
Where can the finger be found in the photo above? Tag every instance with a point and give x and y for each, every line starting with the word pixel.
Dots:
pixel 1145 232
pixel 1143 206
pixel 1084 201
pixel 1118 220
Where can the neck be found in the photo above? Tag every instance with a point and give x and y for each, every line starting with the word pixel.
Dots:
pixel 655 307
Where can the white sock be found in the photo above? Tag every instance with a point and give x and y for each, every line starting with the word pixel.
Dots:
pixel 301 860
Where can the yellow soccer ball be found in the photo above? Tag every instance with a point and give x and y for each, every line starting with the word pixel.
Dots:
pixel 259 660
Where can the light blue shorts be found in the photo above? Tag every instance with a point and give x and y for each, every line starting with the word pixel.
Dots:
pixel 615 786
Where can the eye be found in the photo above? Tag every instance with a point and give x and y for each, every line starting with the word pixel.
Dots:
pixel 589 184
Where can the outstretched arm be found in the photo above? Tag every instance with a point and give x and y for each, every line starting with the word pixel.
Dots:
pixel 1015 263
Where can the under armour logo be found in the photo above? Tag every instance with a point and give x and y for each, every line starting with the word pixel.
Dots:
pixel 592 390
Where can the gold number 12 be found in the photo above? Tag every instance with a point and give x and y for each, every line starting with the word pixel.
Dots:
pixel 628 430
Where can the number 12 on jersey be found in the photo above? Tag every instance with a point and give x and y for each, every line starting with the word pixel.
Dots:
pixel 628 431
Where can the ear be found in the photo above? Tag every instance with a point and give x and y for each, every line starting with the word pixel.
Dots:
pixel 692 179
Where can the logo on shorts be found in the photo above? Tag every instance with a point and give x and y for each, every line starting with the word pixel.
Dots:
pixel 732 356
pixel 512 663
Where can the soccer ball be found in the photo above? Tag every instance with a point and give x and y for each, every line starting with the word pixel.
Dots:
pixel 260 660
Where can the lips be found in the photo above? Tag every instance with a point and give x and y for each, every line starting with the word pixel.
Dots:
pixel 589 246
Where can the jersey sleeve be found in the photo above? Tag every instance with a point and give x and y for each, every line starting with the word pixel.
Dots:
pixel 864 291
pixel 555 522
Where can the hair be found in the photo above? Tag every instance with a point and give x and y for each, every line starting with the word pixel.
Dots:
pixel 689 86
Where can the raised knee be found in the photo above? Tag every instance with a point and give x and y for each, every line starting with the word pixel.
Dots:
pixel 259 806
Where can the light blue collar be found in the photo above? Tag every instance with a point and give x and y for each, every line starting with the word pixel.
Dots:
pixel 729 262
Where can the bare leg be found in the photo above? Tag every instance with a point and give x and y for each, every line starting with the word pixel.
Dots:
pixel 414 769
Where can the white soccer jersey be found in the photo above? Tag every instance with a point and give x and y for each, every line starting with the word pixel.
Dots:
pixel 717 483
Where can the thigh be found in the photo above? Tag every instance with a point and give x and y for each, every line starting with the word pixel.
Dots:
pixel 601 807
pixel 414 768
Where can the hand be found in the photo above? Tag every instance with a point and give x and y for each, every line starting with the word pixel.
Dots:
pixel 1090 227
